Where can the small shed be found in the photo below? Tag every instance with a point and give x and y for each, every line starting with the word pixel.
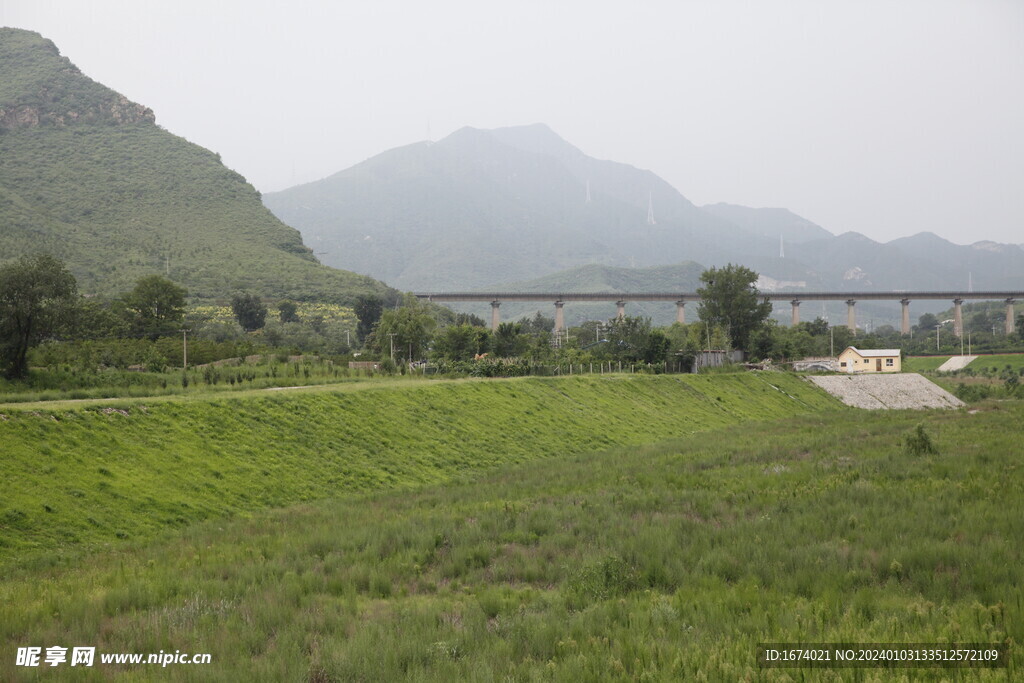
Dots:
pixel 854 360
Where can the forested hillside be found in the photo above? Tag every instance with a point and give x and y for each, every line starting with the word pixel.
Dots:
pixel 88 176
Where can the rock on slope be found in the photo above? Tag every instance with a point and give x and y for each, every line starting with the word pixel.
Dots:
pixel 880 392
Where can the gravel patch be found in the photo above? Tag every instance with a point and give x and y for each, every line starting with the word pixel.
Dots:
pixel 956 363
pixel 887 392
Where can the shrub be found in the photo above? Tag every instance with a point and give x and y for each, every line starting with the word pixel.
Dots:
pixel 607 578
pixel 918 442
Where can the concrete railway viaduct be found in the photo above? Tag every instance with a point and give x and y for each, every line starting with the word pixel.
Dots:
pixel 793 298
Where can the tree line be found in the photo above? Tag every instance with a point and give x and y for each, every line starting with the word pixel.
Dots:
pixel 39 301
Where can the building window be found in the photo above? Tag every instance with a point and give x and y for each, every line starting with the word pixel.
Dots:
pixel 843 364
pixel 865 360
pixel 888 362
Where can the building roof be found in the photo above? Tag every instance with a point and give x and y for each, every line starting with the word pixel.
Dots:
pixel 873 353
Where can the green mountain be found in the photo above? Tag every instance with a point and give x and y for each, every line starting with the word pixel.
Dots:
pixel 88 176
pixel 681 277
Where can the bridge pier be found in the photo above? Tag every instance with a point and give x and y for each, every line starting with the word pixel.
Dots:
pixel 1010 297
pixel 620 309
pixel 495 316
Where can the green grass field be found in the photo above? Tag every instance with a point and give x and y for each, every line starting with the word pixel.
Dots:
pixel 106 471
pixel 998 363
pixel 991 363
pixel 659 562
pixel 923 363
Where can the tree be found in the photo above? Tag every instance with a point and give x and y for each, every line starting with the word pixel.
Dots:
pixel 538 324
pixel 368 310
pixel 629 339
pixel 461 342
pixel 509 340
pixel 980 321
pixel 36 294
pixel 249 310
pixel 730 299
pixel 656 348
pixel 469 319
pixel 1020 325
pixel 288 311
pixel 928 321
pixel 95 319
pixel 816 328
pixel 407 328
pixel 155 307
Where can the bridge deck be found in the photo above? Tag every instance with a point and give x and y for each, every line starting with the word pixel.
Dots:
pixel 693 296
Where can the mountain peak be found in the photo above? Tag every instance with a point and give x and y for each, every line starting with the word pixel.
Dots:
pixel 40 87
pixel 537 138
pixel 118 201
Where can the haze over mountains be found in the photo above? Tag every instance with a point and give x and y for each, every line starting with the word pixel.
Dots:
pixel 483 208
pixel 88 176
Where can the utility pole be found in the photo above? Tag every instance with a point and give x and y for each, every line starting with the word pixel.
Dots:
pixel 392 335
pixel 184 349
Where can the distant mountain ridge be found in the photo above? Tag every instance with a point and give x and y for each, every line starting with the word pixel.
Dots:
pixel 483 207
pixel 88 176
pixel 780 224
pixel 593 278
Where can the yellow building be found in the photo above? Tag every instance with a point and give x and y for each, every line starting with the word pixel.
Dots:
pixel 854 360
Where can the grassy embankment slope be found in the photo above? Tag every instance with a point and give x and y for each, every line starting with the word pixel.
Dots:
pixel 923 363
pixel 664 562
pixel 998 362
pixel 983 363
pixel 103 471
pixel 88 176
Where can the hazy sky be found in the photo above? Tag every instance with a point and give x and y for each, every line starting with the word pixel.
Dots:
pixel 888 117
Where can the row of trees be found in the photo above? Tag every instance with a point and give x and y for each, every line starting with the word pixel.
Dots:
pixel 730 313
pixel 39 300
